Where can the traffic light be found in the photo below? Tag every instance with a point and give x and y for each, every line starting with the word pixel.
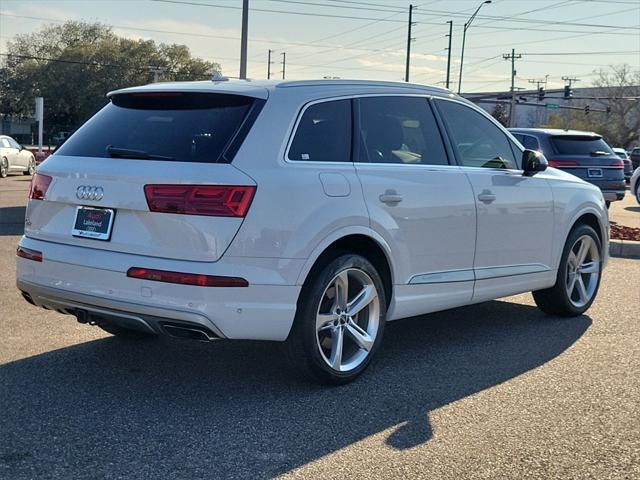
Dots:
pixel 568 93
pixel 586 109
pixel 540 94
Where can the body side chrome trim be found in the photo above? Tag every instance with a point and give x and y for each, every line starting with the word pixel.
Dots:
pixel 484 273
pixel 444 277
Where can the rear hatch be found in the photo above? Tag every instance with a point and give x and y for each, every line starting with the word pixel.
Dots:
pixel 588 157
pixel 149 174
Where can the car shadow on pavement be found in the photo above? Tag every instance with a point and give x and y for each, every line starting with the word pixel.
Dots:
pixel 632 209
pixel 12 220
pixel 167 409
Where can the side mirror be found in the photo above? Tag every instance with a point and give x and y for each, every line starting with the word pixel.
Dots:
pixel 533 162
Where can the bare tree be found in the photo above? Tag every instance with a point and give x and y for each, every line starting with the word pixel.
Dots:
pixel 617 89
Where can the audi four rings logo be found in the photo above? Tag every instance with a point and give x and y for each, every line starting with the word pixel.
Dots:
pixel 88 192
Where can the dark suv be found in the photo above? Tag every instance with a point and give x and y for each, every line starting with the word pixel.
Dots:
pixel 583 154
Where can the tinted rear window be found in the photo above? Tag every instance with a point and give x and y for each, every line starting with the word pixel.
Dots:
pixel 580 145
pixel 324 133
pixel 185 127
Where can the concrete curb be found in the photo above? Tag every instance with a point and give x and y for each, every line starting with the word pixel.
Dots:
pixel 624 248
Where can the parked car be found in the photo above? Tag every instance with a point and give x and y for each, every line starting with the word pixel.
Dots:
pixel 634 156
pixel 307 212
pixel 634 183
pixel 14 158
pixel 583 154
pixel 628 166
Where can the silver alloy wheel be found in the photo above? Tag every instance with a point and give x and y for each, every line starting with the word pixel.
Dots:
pixel 32 167
pixel 4 167
pixel 583 270
pixel 347 319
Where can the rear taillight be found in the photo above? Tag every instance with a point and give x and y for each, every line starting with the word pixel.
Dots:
pixel 39 185
pixel 186 278
pixel 29 254
pixel 212 200
pixel 562 163
pixel 618 164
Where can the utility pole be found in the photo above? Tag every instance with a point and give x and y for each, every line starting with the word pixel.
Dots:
pixel 409 40
pixel 450 22
pixel 243 39
pixel 512 111
pixel 157 71
pixel 284 63
pixel 269 64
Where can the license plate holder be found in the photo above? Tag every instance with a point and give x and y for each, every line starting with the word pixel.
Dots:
pixel 93 223
pixel 594 172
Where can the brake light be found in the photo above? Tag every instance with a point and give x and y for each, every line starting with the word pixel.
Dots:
pixel 39 185
pixel 562 163
pixel 617 164
pixel 186 278
pixel 29 254
pixel 211 200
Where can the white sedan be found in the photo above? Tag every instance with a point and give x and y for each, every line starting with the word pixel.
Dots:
pixel 14 158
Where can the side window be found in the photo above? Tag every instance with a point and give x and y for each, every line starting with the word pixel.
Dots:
pixel 530 142
pixel 324 133
pixel 4 143
pixel 479 142
pixel 399 130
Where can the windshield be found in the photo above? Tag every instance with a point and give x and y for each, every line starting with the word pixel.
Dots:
pixel 187 127
pixel 581 145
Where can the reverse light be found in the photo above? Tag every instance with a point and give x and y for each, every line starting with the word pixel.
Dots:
pixel 186 278
pixel 29 254
pixel 210 200
pixel 562 163
pixel 39 185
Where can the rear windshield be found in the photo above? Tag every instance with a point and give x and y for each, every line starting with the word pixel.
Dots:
pixel 581 145
pixel 184 127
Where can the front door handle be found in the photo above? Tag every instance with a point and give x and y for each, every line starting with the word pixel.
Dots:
pixel 390 197
pixel 486 197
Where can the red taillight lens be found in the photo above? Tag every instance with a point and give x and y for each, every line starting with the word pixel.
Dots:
pixel 39 185
pixel 618 164
pixel 29 254
pixel 186 278
pixel 562 163
pixel 212 200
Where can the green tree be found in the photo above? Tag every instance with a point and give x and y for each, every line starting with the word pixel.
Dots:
pixel 73 66
pixel 501 114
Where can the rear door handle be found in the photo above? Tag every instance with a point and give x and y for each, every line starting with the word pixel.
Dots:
pixel 486 197
pixel 390 197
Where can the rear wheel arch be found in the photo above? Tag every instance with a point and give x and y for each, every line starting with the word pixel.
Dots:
pixel 359 244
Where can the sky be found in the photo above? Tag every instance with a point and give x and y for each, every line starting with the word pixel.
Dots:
pixel 367 39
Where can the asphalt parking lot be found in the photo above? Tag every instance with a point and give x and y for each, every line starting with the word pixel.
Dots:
pixel 492 391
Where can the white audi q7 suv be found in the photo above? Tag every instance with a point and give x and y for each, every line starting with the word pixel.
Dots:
pixel 306 212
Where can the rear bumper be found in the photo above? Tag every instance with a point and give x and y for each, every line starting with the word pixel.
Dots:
pixel 105 293
pixel 613 195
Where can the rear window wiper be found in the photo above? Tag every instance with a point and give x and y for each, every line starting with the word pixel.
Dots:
pixel 118 152
pixel 599 153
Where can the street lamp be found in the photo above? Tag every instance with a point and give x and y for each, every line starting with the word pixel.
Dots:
pixel 464 34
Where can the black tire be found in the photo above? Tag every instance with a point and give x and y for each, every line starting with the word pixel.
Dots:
pixel 555 300
pixel 302 350
pixel 32 168
pixel 608 204
pixel 638 192
pixel 122 332
pixel 4 167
